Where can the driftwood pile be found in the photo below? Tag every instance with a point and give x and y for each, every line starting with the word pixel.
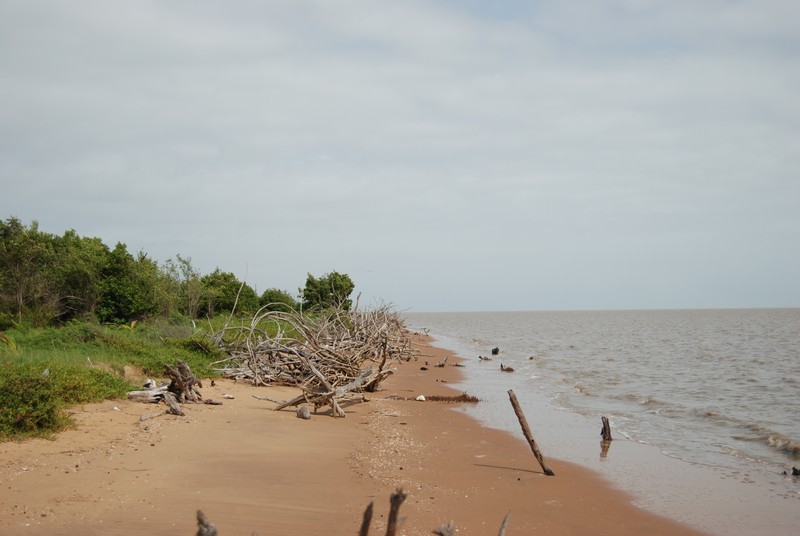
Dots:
pixel 333 357
pixel 179 390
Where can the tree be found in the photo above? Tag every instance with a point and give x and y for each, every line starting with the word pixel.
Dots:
pixel 77 273
pixel 330 290
pixel 277 300
pixel 189 291
pixel 26 254
pixel 127 287
pixel 220 290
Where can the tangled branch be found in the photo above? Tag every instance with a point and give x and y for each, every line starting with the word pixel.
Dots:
pixel 332 356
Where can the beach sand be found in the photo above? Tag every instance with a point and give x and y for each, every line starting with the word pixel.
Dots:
pixel 254 470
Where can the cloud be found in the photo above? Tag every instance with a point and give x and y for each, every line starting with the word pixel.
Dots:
pixel 629 149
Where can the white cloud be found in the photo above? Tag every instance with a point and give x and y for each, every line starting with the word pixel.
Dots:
pixel 594 145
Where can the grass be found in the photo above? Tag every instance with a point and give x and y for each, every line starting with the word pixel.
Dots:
pixel 43 371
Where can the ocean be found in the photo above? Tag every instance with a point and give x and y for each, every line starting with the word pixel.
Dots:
pixel 704 405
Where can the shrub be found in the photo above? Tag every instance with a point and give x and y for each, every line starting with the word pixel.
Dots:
pixel 32 400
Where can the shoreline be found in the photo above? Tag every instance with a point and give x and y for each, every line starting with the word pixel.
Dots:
pixel 251 469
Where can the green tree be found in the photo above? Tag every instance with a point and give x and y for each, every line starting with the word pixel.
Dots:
pixel 189 290
pixel 127 287
pixel 26 256
pixel 220 291
pixel 329 290
pixel 77 275
pixel 277 300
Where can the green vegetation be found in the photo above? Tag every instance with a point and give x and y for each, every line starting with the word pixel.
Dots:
pixel 44 370
pixel 77 316
pixel 47 279
pixel 330 290
pixel 32 399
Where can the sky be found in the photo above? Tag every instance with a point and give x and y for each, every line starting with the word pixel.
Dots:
pixel 446 155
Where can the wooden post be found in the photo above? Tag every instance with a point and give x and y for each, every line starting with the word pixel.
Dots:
pixel 365 521
pixel 204 526
pixel 527 433
pixel 606 431
pixel 395 501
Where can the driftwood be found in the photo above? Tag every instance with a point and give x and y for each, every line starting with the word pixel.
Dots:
pixel 446 530
pixel 149 396
pixel 333 357
pixel 393 523
pixel 366 520
pixel 329 395
pixel 180 389
pixel 526 431
pixel 204 526
pixel 606 430
pixel 183 382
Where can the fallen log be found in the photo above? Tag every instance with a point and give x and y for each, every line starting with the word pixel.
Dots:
pixel 148 416
pixel 328 395
pixel 148 396
pixel 172 402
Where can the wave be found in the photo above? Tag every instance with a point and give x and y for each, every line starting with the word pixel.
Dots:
pixel 774 440
pixel 642 400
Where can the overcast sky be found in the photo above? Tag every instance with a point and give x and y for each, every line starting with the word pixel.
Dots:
pixel 447 155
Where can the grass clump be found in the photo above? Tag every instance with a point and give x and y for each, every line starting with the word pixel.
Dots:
pixel 33 399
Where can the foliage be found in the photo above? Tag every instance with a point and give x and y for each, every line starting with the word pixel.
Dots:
pixel 77 274
pixel 188 286
pixel 23 283
pixel 329 290
pixel 223 292
pixel 273 299
pixel 33 397
pixel 47 280
pixel 127 287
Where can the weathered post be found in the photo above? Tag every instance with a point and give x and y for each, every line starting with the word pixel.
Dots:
pixel 395 501
pixel 526 431
pixel 606 431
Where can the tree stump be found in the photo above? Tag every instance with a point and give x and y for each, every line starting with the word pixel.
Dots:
pixel 606 430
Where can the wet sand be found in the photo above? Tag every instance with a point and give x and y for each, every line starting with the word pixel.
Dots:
pixel 251 469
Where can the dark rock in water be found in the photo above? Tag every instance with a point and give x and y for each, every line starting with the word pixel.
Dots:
pixel 495 350
pixel 303 413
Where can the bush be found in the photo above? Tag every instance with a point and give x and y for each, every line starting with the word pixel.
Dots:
pixel 32 400
pixel 28 406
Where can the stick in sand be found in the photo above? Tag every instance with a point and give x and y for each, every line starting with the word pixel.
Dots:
pixel 526 430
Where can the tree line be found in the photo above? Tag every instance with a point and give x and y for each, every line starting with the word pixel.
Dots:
pixel 48 279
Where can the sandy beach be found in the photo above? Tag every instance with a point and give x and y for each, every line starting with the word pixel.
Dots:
pixel 254 470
